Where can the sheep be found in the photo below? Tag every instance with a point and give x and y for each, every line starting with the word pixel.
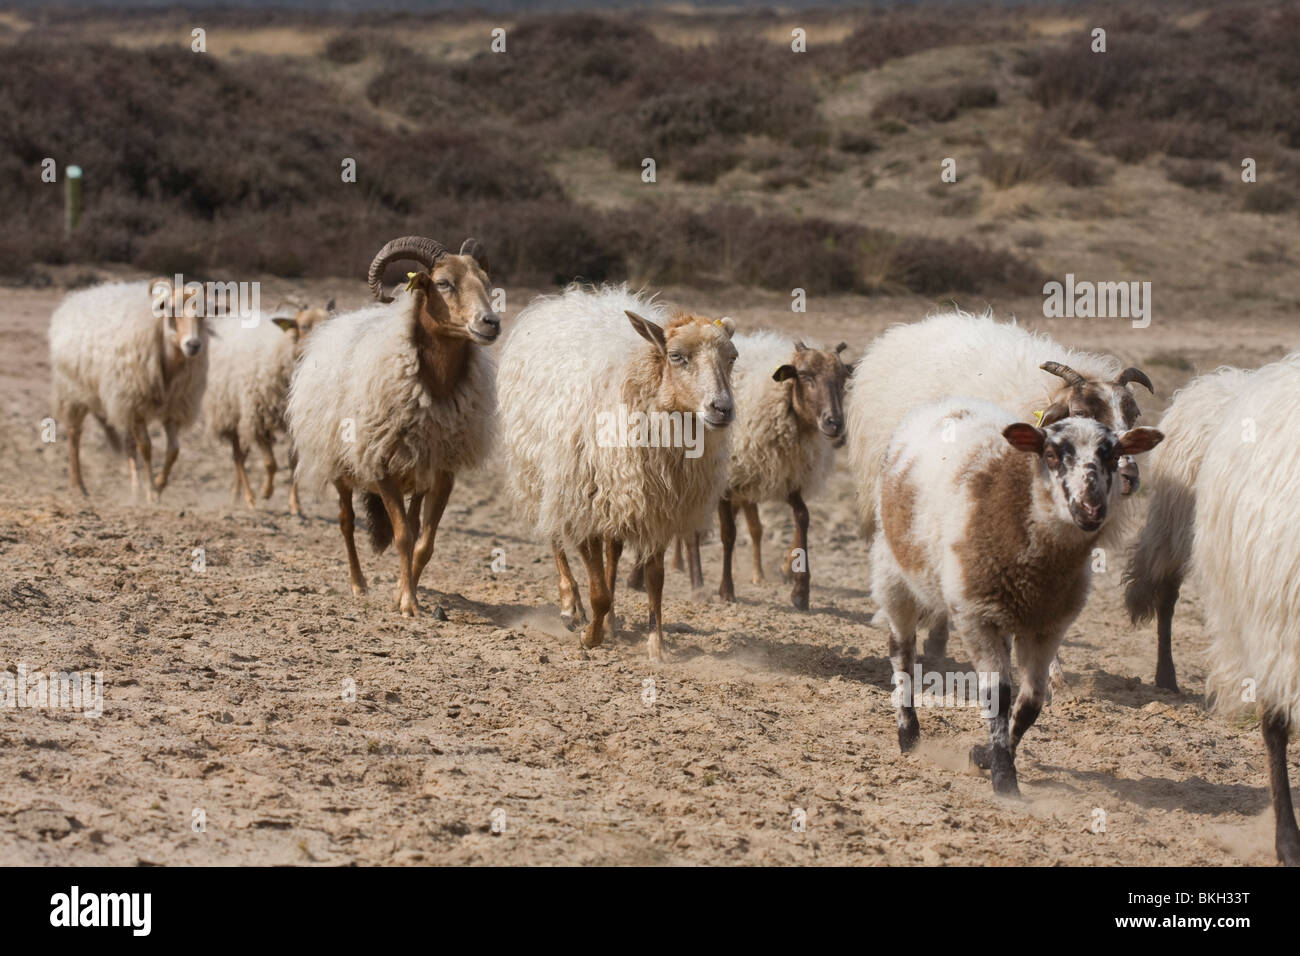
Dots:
pixel 1246 560
pixel 953 352
pixel 129 353
pixel 991 522
pixel 249 370
pixel 395 399
pixel 610 440
pixel 1159 559
pixel 789 415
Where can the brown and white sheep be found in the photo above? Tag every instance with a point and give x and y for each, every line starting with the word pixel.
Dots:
pixel 397 398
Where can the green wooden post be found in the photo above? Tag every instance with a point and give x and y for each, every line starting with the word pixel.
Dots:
pixel 72 200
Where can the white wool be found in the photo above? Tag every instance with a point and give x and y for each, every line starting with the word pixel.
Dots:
pixel 771 456
pixel 1246 550
pixel 358 410
pixel 248 379
pixel 106 356
pixel 1163 550
pixel 954 353
pixel 567 361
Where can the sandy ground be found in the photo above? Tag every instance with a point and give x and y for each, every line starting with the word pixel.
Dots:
pixel 224 690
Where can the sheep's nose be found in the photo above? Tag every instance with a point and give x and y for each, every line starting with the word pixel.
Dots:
pixel 722 407
pixel 192 347
pixel 491 319
pixel 832 425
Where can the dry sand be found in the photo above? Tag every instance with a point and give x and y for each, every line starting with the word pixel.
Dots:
pixel 223 690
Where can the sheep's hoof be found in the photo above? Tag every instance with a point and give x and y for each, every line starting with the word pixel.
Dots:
pixel 909 732
pixel 1165 678
pixel 1288 848
pixel 799 598
pixel 727 595
pixel 981 756
pixel 592 638
pixel 358 588
pixel 1004 774
pixel 409 608
pixel 758 579
pixel 636 578
pixel 655 651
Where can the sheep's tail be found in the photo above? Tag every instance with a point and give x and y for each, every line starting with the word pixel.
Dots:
pixel 381 528
pixel 1149 575
pixel 110 434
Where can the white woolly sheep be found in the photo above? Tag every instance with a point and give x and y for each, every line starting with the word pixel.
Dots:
pixel 611 439
pixel 1246 558
pixel 129 353
pixel 789 416
pixel 991 522
pixel 397 398
pixel 1162 554
pixel 959 353
pixel 249 371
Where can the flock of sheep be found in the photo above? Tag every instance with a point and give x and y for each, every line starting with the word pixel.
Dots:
pixel 990 462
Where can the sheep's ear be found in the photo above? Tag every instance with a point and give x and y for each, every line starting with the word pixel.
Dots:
pixel 652 333
pixel 284 323
pixel 1025 437
pixel 329 306
pixel 1054 413
pixel 784 372
pixel 472 247
pixel 1137 440
pixel 728 325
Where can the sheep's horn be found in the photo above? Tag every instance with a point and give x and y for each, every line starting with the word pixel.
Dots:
pixel 1135 375
pixel 1071 377
pixel 799 346
pixel 841 347
pixel 417 248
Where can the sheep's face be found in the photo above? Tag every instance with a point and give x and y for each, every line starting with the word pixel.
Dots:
pixel 694 359
pixel 300 325
pixel 456 303
pixel 816 380
pixel 1110 403
pixel 1079 458
pixel 182 316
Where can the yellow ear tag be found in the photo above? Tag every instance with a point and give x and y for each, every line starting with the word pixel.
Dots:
pixel 1038 417
pixel 410 283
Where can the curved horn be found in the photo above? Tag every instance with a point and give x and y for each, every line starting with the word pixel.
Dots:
pixel 475 250
pixel 1135 375
pixel 799 346
pixel 417 248
pixel 1072 378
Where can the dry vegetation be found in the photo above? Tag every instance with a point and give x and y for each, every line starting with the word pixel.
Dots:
pixel 817 170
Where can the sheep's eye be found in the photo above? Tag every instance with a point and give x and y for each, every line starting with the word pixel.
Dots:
pixel 1050 456
pixel 443 285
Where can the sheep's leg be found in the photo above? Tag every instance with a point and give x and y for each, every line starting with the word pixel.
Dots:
pixel 727 532
pixel 755 526
pixel 75 420
pixel 613 549
pixel 693 561
pixel 572 612
pixel 636 577
pixel 268 460
pixel 239 455
pixel 347 524
pixel 173 432
pixel 295 507
pixel 654 581
pixel 992 656
pixel 144 448
pixel 128 446
pixel 597 591
pixel 391 493
pixel 802 579
pixel 434 505
pixel 678 560
pixel 1287 842
pixel 1035 654
pixel 902 658
pixel 1165 676
pixel 936 641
